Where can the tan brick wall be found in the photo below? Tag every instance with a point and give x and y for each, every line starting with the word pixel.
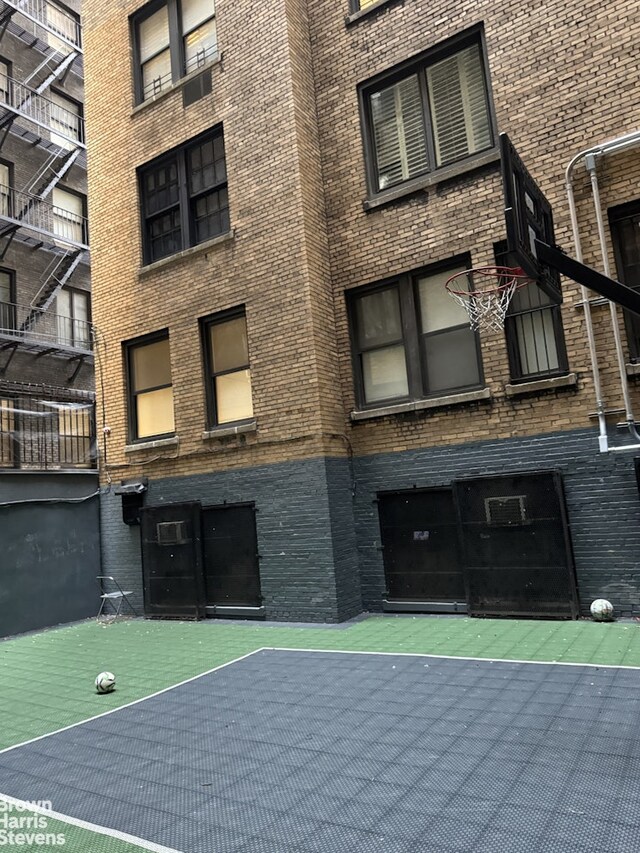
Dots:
pixel 562 78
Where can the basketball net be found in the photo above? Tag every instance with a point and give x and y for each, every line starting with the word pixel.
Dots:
pixel 485 294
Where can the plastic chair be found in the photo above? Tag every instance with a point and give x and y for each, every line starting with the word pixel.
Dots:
pixel 113 594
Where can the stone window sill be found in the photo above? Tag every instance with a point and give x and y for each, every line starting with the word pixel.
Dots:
pixel 175 87
pixel 225 431
pixel 158 444
pixel 187 253
pixel 421 405
pixel 632 370
pixel 353 17
pixel 434 178
pixel 538 385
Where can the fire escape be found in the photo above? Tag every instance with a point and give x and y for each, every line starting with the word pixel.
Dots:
pixel 30 110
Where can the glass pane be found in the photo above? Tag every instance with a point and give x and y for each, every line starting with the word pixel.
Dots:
pixel 5 287
pixel 150 365
pixel 194 12
pixel 64 118
pixel 63 303
pixel 529 297
pixel 459 107
pixel 378 318
pixel 451 360
pixel 200 46
pixel 233 396
pixel 438 309
pixel 153 34
pixel 537 342
pixel 397 116
pixel 156 74
pixel 155 413
pixel 4 81
pixel 384 372
pixel 229 347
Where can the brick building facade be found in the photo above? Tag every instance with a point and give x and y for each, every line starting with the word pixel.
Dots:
pixel 48 482
pixel 276 201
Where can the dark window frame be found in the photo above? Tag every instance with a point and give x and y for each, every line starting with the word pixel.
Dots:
pixel 207 362
pixel 176 44
pixel 412 334
pixel 185 197
pixel 617 215
pixel 131 396
pixel 516 372
pixel 418 65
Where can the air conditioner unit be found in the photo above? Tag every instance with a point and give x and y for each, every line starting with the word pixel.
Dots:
pixel 172 532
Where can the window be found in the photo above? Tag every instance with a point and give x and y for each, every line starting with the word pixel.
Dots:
pixel 533 330
pixel 72 316
pixel 7 300
pixel 411 340
pixel 184 197
pixel 68 215
pixel 5 81
pixel 5 190
pixel 625 231
pixel 172 39
pixel 65 119
pixel 7 432
pixel 75 432
pixel 226 356
pixel 150 388
pixel 432 112
pixel 64 24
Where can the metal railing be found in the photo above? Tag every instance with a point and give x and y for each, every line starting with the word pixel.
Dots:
pixel 41 216
pixel 42 111
pixel 38 433
pixel 51 17
pixel 28 325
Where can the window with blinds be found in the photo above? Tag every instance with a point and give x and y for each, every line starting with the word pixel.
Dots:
pixel 435 115
pixel 172 40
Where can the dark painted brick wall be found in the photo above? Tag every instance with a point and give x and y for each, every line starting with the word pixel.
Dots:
pixel 601 492
pixel 305 534
pixel 312 533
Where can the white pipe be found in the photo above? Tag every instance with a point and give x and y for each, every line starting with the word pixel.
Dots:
pixel 595 370
pixel 625 447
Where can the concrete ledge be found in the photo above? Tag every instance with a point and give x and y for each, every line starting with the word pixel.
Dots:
pixel 368 10
pixel 224 431
pixel 420 405
pixel 548 384
pixel 632 370
pixel 152 445
pixel 187 253
pixel 438 176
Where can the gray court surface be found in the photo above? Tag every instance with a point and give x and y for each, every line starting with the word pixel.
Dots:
pixel 319 752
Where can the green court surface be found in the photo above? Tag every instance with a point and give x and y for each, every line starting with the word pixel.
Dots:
pixel 47 678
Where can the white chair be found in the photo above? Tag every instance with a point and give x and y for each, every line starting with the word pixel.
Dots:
pixel 112 594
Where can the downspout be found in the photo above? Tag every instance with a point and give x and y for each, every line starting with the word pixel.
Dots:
pixel 595 370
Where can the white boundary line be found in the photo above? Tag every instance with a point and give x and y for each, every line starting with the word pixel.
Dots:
pixel 83 824
pixel 452 657
pixel 129 704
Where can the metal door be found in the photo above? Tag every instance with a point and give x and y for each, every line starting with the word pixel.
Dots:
pixel 172 560
pixel 420 551
pixel 516 551
pixel 231 563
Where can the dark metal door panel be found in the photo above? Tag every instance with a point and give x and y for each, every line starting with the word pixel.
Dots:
pixel 516 550
pixel 172 560
pixel 419 538
pixel 230 547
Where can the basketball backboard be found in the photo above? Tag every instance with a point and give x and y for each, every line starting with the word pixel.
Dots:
pixel 528 218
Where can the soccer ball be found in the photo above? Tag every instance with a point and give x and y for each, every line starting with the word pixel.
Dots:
pixel 602 610
pixel 105 682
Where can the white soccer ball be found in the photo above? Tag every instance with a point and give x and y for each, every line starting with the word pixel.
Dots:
pixel 105 682
pixel 602 610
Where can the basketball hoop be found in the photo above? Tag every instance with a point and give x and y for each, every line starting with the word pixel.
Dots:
pixel 487 294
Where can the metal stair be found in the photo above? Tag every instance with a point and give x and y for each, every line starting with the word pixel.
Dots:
pixel 56 276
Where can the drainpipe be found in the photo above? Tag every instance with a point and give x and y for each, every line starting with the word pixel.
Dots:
pixel 595 370
pixel 590 156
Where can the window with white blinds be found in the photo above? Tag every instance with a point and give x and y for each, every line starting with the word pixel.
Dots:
pixel 173 40
pixel 435 115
